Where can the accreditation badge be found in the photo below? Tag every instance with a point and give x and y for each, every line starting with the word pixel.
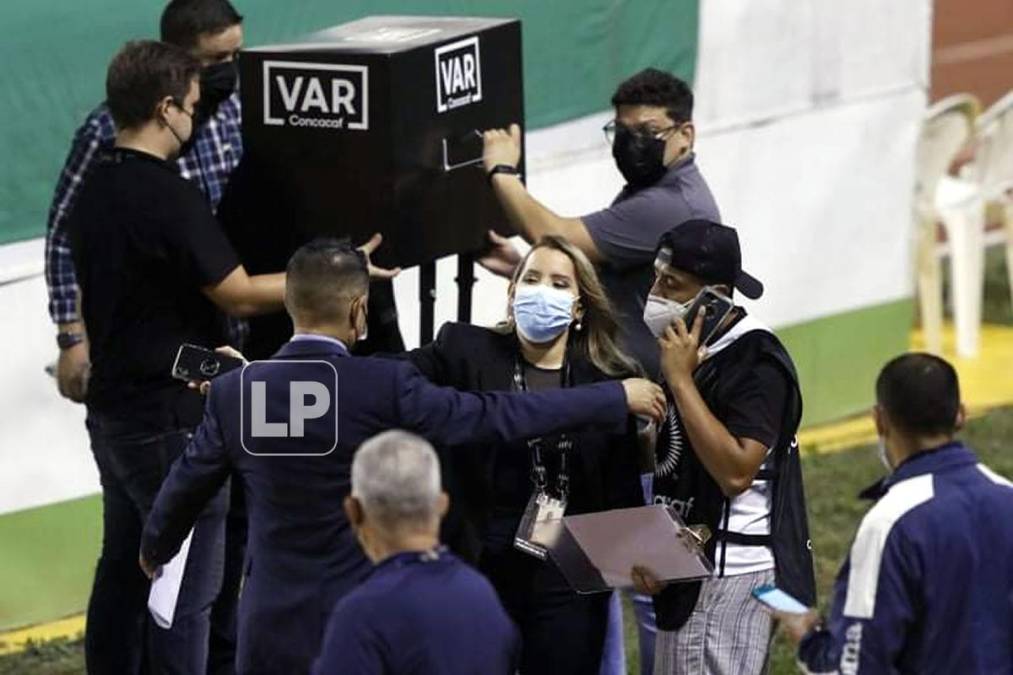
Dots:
pixel 542 509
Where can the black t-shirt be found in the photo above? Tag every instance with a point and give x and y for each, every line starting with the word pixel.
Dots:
pixel 145 242
pixel 512 486
pixel 757 406
pixel 753 409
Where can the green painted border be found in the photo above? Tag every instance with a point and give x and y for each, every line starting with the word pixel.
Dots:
pixel 55 56
pixel 838 357
pixel 49 552
pixel 48 560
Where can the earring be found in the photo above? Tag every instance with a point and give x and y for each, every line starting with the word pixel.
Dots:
pixel 579 325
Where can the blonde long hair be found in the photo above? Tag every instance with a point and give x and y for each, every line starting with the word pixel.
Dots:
pixel 597 340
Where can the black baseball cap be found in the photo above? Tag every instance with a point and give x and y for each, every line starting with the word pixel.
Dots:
pixel 710 251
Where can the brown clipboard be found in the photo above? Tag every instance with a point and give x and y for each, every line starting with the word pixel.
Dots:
pixel 597 551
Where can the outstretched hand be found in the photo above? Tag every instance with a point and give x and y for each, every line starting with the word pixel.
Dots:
pixel 645 398
pixel 374 271
pixel 502 257
pixel 501 146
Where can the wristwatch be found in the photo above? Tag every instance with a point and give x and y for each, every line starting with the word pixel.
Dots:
pixel 502 168
pixel 69 339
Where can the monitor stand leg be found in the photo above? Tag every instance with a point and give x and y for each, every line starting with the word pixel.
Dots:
pixel 465 281
pixel 427 299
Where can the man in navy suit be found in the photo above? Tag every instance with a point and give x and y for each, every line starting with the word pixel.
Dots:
pixel 302 555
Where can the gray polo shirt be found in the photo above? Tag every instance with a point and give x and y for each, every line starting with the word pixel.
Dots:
pixel 627 234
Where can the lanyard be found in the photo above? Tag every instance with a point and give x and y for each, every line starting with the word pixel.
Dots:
pixel 539 472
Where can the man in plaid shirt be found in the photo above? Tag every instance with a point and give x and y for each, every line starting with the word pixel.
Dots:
pixel 210 30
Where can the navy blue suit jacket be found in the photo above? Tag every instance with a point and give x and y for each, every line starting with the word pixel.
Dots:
pixel 302 555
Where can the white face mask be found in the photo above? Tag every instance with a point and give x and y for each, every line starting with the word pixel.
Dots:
pixel 660 313
pixel 883 457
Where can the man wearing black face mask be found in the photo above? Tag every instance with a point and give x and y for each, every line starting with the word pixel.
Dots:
pixel 155 270
pixel 652 139
pixel 212 32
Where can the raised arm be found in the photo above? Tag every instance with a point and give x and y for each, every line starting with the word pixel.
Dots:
pixel 450 417
pixel 530 218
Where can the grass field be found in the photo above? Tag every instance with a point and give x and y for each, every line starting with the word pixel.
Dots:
pixel 832 483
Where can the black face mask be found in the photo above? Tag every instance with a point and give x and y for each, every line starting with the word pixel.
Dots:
pixel 185 146
pixel 217 83
pixel 639 157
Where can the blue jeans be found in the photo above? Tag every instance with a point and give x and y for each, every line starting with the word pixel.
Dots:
pixel 614 659
pixel 120 637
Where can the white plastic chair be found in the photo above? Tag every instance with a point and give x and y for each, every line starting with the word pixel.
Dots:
pixel 992 168
pixel 959 205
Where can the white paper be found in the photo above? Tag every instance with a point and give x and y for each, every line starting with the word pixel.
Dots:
pixel 165 586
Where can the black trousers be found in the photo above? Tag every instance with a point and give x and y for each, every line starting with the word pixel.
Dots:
pixel 563 633
pixel 120 637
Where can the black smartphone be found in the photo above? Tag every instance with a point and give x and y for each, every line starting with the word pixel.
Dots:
pixel 194 363
pixel 718 306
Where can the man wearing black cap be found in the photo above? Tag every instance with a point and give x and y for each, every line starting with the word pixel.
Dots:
pixel 726 457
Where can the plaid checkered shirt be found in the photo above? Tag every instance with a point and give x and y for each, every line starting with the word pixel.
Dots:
pixel 216 152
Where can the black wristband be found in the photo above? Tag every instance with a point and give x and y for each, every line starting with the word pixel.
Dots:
pixel 502 168
pixel 68 340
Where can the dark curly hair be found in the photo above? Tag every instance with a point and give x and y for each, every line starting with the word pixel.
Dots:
pixel 656 87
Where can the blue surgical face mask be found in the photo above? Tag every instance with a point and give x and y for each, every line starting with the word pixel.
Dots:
pixel 542 313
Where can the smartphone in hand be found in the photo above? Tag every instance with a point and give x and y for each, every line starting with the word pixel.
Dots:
pixel 779 601
pixel 718 306
pixel 197 364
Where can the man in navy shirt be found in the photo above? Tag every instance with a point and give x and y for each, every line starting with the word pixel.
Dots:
pixel 928 585
pixel 421 610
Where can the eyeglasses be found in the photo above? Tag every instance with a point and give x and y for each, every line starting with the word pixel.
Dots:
pixel 610 131
pixel 182 108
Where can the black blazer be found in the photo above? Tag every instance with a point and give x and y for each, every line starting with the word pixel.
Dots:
pixel 604 469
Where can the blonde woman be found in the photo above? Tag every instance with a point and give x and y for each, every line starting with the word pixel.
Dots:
pixel 560 331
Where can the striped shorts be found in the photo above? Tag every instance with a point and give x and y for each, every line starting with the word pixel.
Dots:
pixel 728 632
